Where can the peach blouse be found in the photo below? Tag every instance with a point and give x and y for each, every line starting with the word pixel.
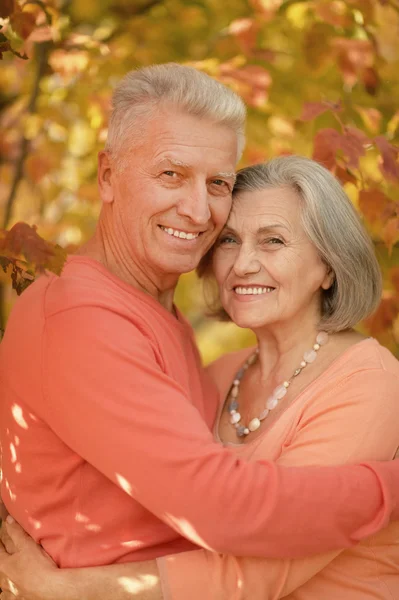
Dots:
pixel 349 414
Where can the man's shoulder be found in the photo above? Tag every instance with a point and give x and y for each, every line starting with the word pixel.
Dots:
pixel 85 285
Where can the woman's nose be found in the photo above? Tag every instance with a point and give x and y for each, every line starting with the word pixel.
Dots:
pixel 246 263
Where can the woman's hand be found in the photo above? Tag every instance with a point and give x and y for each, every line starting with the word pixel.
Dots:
pixel 26 571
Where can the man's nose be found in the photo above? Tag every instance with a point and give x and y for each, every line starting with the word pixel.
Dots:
pixel 195 205
pixel 246 262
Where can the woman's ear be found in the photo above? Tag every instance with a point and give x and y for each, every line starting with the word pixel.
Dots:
pixel 104 177
pixel 328 279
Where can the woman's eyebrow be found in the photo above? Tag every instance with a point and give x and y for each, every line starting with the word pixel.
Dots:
pixel 267 228
pixel 228 229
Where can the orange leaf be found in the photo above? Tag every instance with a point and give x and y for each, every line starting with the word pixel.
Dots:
pixel 266 10
pixel 316 46
pixel 69 63
pixel 352 144
pixel 22 239
pixel 245 32
pixel 37 166
pixel 390 233
pixel 371 118
pixel 23 23
pixel 394 273
pixel 334 13
pixel 253 81
pixel 375 205
pixel 41 34
pixel 7 7
pixel 384 316
pixel 353 57
pixel 326 143
pixel 371 80
pixel 311 110
pixel 345 175
pixel 389 153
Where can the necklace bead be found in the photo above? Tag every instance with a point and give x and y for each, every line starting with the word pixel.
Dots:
pixel 254 424
pixel 278 394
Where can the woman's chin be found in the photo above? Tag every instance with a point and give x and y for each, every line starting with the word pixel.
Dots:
pixel 248 321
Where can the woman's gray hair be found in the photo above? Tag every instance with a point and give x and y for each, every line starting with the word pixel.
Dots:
pixel 334 228
pixel 140 93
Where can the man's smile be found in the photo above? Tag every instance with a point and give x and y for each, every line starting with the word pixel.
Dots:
pixel 178 233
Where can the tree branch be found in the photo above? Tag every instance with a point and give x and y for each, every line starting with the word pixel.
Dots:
pixel 41 63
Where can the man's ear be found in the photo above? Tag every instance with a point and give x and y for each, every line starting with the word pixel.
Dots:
pixel 104 177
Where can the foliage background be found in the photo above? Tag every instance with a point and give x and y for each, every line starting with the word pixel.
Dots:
pixel 321 78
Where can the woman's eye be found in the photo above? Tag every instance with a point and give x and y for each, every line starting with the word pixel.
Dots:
pixel 274 241
pixel 227 240
pixel 170 173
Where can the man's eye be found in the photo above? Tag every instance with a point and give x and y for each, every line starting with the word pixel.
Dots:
pixel 170 173
pixel 220 182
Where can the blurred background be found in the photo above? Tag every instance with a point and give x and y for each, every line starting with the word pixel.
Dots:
pixel 320 78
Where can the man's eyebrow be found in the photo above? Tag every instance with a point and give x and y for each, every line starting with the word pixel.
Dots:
pixel 173 162
pixel 179 163
pixel 229 175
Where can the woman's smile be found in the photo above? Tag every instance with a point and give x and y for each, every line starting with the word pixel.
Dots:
pixel 250 292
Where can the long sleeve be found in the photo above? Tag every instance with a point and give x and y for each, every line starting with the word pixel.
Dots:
pixel 355 421
pixel 109 400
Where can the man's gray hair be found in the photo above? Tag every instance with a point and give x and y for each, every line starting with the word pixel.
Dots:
pixel 335 229
pixel 139 94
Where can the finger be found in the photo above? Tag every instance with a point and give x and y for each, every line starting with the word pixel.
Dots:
pixel 9 587
pixel 3 511
pixel 3 553
pixel 14 536
pixel 5 595
pixel 6 540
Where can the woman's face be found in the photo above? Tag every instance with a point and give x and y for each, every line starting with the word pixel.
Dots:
pixel 267 270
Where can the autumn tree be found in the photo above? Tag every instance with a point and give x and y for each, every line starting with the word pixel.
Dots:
pixel 320 78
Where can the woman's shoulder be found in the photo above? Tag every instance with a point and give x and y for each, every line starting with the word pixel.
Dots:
pixel 369 356
pixel 365 375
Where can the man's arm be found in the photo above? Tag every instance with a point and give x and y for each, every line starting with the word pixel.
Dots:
pixel 147 437
pixel 354 428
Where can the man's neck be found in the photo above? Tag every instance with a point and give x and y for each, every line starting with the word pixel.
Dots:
pixel 101 249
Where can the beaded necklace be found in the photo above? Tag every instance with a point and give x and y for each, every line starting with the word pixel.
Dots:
pixel 278 394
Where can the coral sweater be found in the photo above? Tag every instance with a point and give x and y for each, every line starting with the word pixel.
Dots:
pixel 108 455
pixel 349 414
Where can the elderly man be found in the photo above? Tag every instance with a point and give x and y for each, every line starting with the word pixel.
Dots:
pixel 106 412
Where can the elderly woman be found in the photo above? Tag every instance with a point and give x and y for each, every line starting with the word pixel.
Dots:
pixel 295 265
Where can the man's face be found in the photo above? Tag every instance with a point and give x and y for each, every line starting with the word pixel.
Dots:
pixel 174 196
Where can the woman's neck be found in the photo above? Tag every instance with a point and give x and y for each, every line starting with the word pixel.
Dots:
pixel 281 350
